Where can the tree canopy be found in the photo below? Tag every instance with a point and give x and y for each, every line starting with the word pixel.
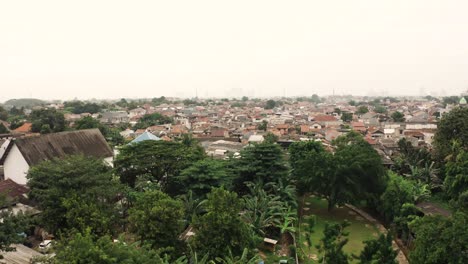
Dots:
pixel 152 120
pixel 71 191
pixel 440 239
pixel 452 126
pixel 157 219
pixel 221 230
pixel 154 160
pixel 47 121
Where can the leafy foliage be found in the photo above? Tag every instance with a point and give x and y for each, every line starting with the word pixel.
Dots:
pixel 221 229
pixel 456 178
pixel 331 245
pixel 398 117
pixel 84 249
pixel 152 120
pixel 260 163
pixel 202 175
pixel 75 186
pixel 398 192
pixel 47 121
pixel 112 135
pixel 156 218
pixel 440 240
pixel 378 251
pixel 452 126
pixel 159 160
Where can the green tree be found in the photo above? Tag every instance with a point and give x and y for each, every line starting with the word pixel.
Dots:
pixel 347 117
pixel 331 245
pixel 380 109
pixel 355 172
pixel 306 159
pixel 47 121
pixel 262 210
pixel 270 104
pixel 271 138
pixel 3 129
pixel 398 192
pixel 259 163
pixel 85 249
pixel 452 126
pixel 440 239
pixel 112 135
pixel 378 251
pixel 3 114
pixel 157 219
pixel 263 125
pixel 59 185
pixel 315 99
pixel 352 103
pixel 221 230
pixel 245 98
pixel 202 175
pixel 456 176
pixel 152 120
pixel 398 117
pixel 160 160
pixel 362 109
pixel 10 229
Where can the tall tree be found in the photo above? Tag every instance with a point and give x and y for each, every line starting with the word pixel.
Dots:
pixel 158 160
pixel 398 117
pixel 456 177
pixel 3 129
pixel 452 126
pixel 440 240
pixel 153 119
pixel 157 219
pixel 221 229
pixel 260 163
pixel 202 175
pixel 379 250
pixel 331 245
pixel 59 185
pixel 83 248
pixel 270 104
pixel 47 121
pixel 112 135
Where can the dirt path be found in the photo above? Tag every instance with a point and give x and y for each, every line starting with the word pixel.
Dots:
pixel 401 256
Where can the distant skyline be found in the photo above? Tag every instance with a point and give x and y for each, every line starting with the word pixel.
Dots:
pixel 111 49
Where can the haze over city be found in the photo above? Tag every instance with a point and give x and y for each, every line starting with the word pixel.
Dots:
pixel 114 49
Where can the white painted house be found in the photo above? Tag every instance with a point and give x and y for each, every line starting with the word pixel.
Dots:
pixel 29 151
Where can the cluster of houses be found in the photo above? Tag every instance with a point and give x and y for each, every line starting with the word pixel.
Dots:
pixel 222 129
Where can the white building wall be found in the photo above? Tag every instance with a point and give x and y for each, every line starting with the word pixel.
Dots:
pixel 15 167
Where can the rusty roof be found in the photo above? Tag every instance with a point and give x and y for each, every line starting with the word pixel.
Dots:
pixel 88 142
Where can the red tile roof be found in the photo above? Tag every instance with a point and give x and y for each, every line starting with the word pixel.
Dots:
pixel 324 118
pixel 11 189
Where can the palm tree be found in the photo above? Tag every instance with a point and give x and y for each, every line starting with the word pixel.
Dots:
pixel 261 209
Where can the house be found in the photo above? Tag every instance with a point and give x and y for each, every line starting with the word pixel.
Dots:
pixel 116 117
pixel 29 151
pixel 359 127
pixel 136 112
pixel 256 139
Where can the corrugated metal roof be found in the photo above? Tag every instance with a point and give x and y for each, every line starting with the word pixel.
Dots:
pixel 88 142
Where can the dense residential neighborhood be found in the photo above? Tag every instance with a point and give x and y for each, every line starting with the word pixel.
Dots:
pixel 157 178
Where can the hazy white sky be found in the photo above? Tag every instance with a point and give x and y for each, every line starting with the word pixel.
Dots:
pixel 111 49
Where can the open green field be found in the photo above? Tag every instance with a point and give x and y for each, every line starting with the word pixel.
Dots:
pixel 359 230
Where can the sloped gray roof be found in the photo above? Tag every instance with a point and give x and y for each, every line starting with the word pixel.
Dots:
pixel 88 142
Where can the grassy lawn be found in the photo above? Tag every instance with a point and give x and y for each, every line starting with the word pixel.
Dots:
pixel 359 229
